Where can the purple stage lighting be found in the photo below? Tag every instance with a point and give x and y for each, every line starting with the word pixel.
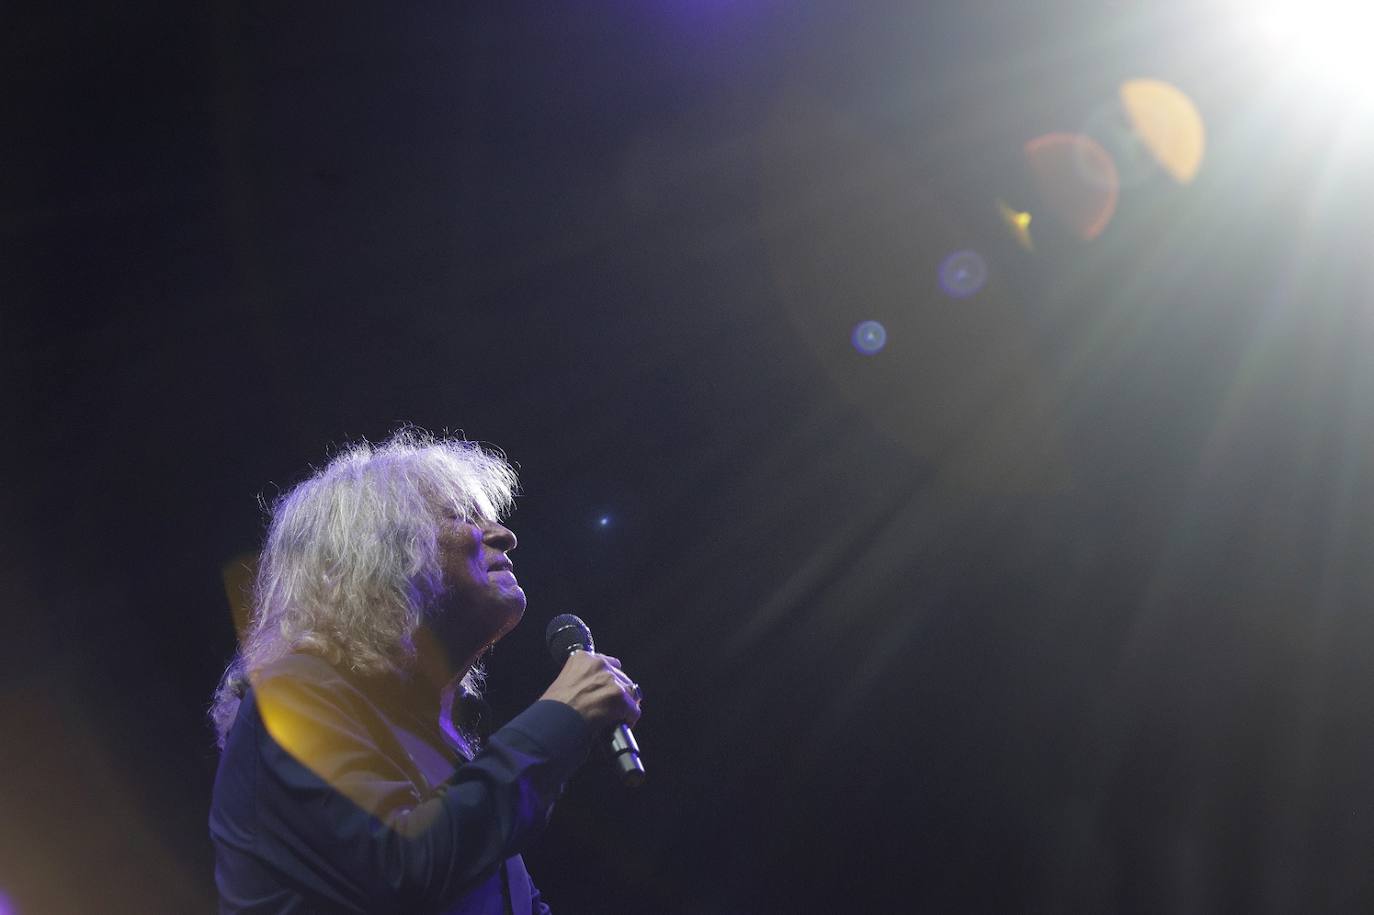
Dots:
pixel 869 337
pixel 963 273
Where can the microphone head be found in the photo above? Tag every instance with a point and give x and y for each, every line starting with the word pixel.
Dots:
pixel 566 634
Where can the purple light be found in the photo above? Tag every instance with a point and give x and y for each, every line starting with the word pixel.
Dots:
pixel 869 337
pixel 963 273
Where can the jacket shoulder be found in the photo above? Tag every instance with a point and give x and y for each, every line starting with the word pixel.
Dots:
pixel 306 668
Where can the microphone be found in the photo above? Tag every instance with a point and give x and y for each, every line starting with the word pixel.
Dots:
pixel 566 634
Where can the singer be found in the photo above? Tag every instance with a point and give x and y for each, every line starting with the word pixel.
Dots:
pixel 353 775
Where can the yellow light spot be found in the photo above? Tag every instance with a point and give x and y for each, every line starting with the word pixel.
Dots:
pixel 1168 124
pixel 238 574
pixel 1018 223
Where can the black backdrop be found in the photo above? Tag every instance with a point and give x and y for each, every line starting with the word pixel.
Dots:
pixel 1055 604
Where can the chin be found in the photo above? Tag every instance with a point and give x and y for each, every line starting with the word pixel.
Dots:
pixel 514 613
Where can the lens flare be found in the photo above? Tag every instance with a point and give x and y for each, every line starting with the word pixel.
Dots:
pixel 1168 125
pixel 869 337
pixel 963 273
pixel 1018 223
pixel 1110 127
pixel 1077 179
pixel 849 221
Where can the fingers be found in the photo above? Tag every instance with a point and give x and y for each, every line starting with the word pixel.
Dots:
pixel 630 706
pixel 595 686
pixel 630 687
pixel 631 696
pixel 636 698
pixel 608 666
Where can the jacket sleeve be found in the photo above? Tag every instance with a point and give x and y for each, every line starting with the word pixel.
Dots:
pixel 537 904
pixel 333 805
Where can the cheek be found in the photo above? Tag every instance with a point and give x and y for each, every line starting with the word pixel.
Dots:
pixel 462 569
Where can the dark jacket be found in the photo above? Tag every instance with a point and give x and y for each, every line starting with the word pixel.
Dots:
pixel 338 793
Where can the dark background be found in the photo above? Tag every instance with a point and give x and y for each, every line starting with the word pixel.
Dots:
pixel 1058 603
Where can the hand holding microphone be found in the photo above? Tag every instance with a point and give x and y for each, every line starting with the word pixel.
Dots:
pixel 596 687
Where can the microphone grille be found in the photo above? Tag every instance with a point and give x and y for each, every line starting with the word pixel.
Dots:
pixel 566 634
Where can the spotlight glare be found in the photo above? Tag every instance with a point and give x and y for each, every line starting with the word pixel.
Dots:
pixel 1324 40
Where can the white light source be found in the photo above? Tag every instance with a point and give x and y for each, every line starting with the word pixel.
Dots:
pixel 1327 40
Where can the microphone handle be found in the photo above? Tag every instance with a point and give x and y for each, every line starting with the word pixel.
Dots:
pixel 624 748
pixel 625 753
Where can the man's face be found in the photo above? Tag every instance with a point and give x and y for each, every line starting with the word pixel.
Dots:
pixel 482 600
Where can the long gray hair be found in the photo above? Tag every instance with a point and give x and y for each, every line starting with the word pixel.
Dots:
pixel 351 566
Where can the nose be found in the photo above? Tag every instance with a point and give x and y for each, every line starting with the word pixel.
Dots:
pixel 498 536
